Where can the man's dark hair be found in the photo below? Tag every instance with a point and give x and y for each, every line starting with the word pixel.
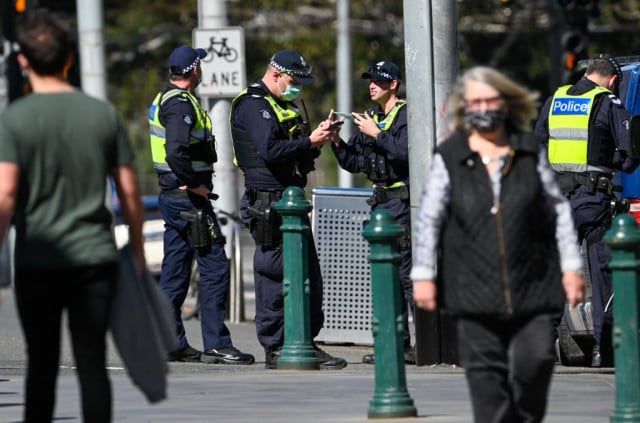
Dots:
pixel 45 41
pixel 604 66
pixel 178 76
pixel 175 74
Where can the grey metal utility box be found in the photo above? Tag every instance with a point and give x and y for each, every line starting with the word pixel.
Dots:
pixel 339 215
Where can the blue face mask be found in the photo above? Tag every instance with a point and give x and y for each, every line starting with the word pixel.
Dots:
pixel 291 92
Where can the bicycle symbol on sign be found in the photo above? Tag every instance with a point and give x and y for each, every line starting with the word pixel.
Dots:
pixel 220 49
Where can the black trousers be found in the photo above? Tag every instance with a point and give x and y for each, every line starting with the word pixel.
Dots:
pixel 592 218
pixel 508 365
pixel 41 296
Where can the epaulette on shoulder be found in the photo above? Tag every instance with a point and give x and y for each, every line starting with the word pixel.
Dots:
pixel 256 90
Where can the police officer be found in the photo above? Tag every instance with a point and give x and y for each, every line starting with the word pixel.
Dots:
pixel 380 150
pixel 183 152
pixel 586 128
pixel 275 149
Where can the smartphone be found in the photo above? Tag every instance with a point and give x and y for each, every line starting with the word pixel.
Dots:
pixel 336 124
pixel 344 115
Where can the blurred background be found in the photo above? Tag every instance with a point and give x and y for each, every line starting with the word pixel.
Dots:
pixel 538 42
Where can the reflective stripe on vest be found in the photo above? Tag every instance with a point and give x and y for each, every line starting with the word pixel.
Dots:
pixel 569 129
pixel 158 137
pixel 386 123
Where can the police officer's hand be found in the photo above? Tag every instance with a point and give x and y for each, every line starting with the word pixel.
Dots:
pixel 366 124
pixel 573 284
pixel 321 134
pixel 201 190
pixel 424 294
pixel 335 126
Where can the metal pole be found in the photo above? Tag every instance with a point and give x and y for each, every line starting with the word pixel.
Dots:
pixel 91 47
pixel 418 56
pixel 624 239
pixel 420 87
pixel 391 398
pixel 91 51
pixel 431 54
pixel 445 63
pixel 343 60
pixel 297 352
pixel 213 14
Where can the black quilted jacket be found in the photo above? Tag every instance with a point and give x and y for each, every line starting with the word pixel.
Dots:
pixel 498 259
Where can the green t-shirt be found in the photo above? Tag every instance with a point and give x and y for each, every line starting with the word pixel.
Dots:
pixel 65 144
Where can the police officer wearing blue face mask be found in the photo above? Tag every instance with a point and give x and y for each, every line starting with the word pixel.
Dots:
pixel 183 155
pixel 380 150
pixel 586 128
pixel 275 148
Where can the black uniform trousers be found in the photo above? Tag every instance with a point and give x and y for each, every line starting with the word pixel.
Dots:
pixel 592 218
pixel 508 365
pixel 268 273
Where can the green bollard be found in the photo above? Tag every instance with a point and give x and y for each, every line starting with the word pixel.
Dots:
pixel 624 239
pixel 391 398
pixel 297 352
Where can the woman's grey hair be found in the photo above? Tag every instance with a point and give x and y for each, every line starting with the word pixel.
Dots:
pixel 522 104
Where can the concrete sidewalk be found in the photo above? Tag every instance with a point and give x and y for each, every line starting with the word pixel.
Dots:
pixel 259 395
pixel 221 393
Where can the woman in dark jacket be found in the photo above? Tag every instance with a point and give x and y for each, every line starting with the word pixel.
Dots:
pixel 509 254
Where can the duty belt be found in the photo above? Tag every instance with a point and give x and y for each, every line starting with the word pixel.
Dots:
pixel 266 196
pixel 382 195
pixel 176 193
pixel 183 193
pixel 594 181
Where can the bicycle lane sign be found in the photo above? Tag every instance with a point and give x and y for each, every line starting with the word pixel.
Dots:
pixel 223 70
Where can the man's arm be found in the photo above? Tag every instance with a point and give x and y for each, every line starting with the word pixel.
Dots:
pixel 541 130
pixel 9 178
pixel 395 141
pixel 261 124
pixel 179 117
pixel 129 194
pixel 346 153
pixel 618 120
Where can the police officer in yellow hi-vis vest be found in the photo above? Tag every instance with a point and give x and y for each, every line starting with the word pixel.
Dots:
pixel 183 151
pixel 586 128
pixel 276 148
pixel 380 150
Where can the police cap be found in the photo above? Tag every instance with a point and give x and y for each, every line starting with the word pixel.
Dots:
pixel 293 64
pixel 184 59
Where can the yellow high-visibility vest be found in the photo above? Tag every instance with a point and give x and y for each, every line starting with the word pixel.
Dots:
pixel 569 129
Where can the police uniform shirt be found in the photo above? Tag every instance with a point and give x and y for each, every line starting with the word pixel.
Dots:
pixel 610 114
pixel 392 143
pixel 254 114
pixel 178 117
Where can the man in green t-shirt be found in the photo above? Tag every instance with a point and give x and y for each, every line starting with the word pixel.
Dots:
pixel 58 146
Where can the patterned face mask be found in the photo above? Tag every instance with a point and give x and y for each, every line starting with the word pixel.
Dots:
pixel 485 120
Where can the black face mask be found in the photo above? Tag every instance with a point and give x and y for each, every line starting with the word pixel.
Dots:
pixel 485 121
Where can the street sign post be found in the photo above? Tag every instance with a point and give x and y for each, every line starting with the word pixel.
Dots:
pixel 223 70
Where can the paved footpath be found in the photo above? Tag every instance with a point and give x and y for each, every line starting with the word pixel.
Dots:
pixel 248 394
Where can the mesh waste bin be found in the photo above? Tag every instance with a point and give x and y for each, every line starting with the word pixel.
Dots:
pixel 339 216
